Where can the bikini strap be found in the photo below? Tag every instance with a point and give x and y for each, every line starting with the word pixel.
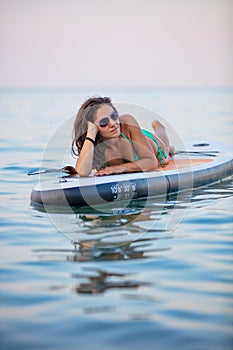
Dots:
pixel 125 137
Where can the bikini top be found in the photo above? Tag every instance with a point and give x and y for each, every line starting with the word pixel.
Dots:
pixel 147 133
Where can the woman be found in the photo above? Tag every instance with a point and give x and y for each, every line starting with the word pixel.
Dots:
pixel 113 144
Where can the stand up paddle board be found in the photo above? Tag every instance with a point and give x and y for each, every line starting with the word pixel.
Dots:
pixel 204 163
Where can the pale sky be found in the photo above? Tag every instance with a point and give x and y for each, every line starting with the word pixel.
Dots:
pixel 119 43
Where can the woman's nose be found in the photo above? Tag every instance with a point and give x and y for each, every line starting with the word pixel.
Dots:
pixel 113 122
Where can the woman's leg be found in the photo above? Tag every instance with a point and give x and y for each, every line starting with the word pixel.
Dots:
pixel 161 135
pixel 162 138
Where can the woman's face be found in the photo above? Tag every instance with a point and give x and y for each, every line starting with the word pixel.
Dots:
pixel 107 121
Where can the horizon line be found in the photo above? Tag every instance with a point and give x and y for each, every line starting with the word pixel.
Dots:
pixel 115 87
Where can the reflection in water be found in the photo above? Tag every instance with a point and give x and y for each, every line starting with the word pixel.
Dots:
pixel 104 238
pixel 132 233
pixel 86 253
pixel 124 252
pixel 101 281
pixel 115 225
pixel 174 282
pixel 98 281
pixel 143 248
pixel 155 221
pixel 121 226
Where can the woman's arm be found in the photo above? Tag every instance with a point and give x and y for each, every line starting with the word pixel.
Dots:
pixel 85 159
pixel 131 167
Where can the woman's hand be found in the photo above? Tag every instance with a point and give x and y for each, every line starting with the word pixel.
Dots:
pixel 85 159
pixel 92 130
pixel 115 169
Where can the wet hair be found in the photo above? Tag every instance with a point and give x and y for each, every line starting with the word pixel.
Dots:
pixel 87 112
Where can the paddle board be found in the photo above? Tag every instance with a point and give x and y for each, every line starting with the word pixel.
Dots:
pixel 204 163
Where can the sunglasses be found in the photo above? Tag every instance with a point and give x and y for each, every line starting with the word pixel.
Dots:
pixel 105 121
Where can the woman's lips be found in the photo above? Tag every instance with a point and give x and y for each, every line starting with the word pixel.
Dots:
pixel 115 130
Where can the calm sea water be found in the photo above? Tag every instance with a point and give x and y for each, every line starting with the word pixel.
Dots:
pixel 170 288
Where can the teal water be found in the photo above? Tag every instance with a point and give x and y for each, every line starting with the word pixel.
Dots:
pixel 169 288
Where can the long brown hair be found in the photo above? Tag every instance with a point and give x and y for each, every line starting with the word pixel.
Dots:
pixel 87 113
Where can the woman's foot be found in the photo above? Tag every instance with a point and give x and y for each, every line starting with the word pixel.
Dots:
pixel 156 125
pixel 172 150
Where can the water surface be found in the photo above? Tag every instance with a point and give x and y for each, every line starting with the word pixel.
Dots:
pixel 170 287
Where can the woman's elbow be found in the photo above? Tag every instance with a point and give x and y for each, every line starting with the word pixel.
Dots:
pixel 153 168
pixel 82 173
pixel 149 164
pixel 153 164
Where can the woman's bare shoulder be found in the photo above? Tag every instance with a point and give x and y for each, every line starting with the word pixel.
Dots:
pixel 128 119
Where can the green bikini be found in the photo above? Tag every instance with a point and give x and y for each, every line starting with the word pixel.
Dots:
pixel 160 154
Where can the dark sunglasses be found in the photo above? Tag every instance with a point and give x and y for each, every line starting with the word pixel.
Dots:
pixel 105 121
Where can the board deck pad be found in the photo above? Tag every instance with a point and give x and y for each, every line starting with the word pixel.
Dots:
pixel 184 163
